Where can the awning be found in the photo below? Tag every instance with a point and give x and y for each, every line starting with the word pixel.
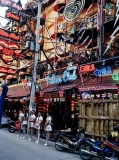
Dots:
pixel 63 87
pixel 94 88
pixel 17 91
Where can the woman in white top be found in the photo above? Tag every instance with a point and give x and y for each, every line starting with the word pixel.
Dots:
pixel 47 128
pixel 38 122
pixel 21 116
pixel 32 118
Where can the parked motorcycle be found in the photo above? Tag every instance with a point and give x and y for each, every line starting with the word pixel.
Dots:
pixel 92 148
pixel 14 126
pixel 114 153
pixel 66 140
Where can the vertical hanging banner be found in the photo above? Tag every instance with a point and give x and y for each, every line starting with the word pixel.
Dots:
pixel 12 16
pixel 10 4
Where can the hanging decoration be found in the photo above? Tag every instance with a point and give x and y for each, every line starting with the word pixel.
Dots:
pixel 72 30
pixel 73 9
pixel 60 91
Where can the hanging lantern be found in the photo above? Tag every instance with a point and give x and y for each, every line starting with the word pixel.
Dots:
pixel 72 105
pixel 47 106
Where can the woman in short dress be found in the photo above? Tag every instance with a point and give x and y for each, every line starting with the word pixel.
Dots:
pixel 32 118
pixel 47 128
pixel 38 122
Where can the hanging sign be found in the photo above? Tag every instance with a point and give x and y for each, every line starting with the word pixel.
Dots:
pixel 6 44
pixel 6 59
pixel 67 76
pixel 87 68
pixel 7 70
pixel 103 71
pixel 7 51
pixel 12 16
pixel 9 35
pixel 10 4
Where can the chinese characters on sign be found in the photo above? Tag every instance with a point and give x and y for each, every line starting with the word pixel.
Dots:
pixel 67 76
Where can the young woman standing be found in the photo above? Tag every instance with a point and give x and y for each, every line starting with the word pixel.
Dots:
pixel 32 118
pixel 47 128
pixel 38 122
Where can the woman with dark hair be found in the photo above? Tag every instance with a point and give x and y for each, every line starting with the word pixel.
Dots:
pixel 47 128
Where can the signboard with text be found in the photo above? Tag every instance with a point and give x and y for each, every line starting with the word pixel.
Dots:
pixel 7 70
pixel 10 4
pixel 12 16
pixel 9 35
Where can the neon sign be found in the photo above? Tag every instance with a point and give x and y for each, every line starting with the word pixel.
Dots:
pixel 67 76
pixel 11 45
pixel 115 76
pixel 12 16
pixel 11 4
pixel 9 35
pixel 7 70
pixel 103 71
pixel 87 68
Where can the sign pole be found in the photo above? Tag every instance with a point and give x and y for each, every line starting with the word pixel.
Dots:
pixel 36 53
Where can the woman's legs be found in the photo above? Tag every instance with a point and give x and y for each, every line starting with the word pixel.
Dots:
pixel 38 135
pixel 47 137
pixel 24 131
pixel 30 133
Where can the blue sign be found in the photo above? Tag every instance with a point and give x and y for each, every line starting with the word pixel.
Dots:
pixel 103 71
pixel 67 76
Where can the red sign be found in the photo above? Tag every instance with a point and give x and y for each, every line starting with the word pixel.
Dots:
pixel 12 16
pixel 87 68
pixel 7 70
pixel 11 45
pixel 10 4
pixel 7 51
pixel 6 58
pixel 9 35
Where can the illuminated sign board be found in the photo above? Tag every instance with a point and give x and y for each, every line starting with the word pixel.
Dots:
pixel 10 4
pixel 7 70
pixel 67 76
pixel 9 35
pixel 11 45
pixel 115 76
pixel 12 16
pixel 87 68
pixel 103 71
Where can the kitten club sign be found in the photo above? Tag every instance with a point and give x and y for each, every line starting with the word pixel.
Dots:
pixel 11 4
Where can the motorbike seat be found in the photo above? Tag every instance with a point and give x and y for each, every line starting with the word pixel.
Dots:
pixel 67 135
pixel 116 144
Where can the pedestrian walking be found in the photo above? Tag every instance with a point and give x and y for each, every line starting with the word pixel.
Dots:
pixel 47 128
pixel 21 116
pixel 38 122
pixel 32 118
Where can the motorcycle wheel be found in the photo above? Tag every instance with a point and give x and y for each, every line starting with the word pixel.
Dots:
pixel 111 156
pixel 83 155
pixel 58 144
pixel 11 129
